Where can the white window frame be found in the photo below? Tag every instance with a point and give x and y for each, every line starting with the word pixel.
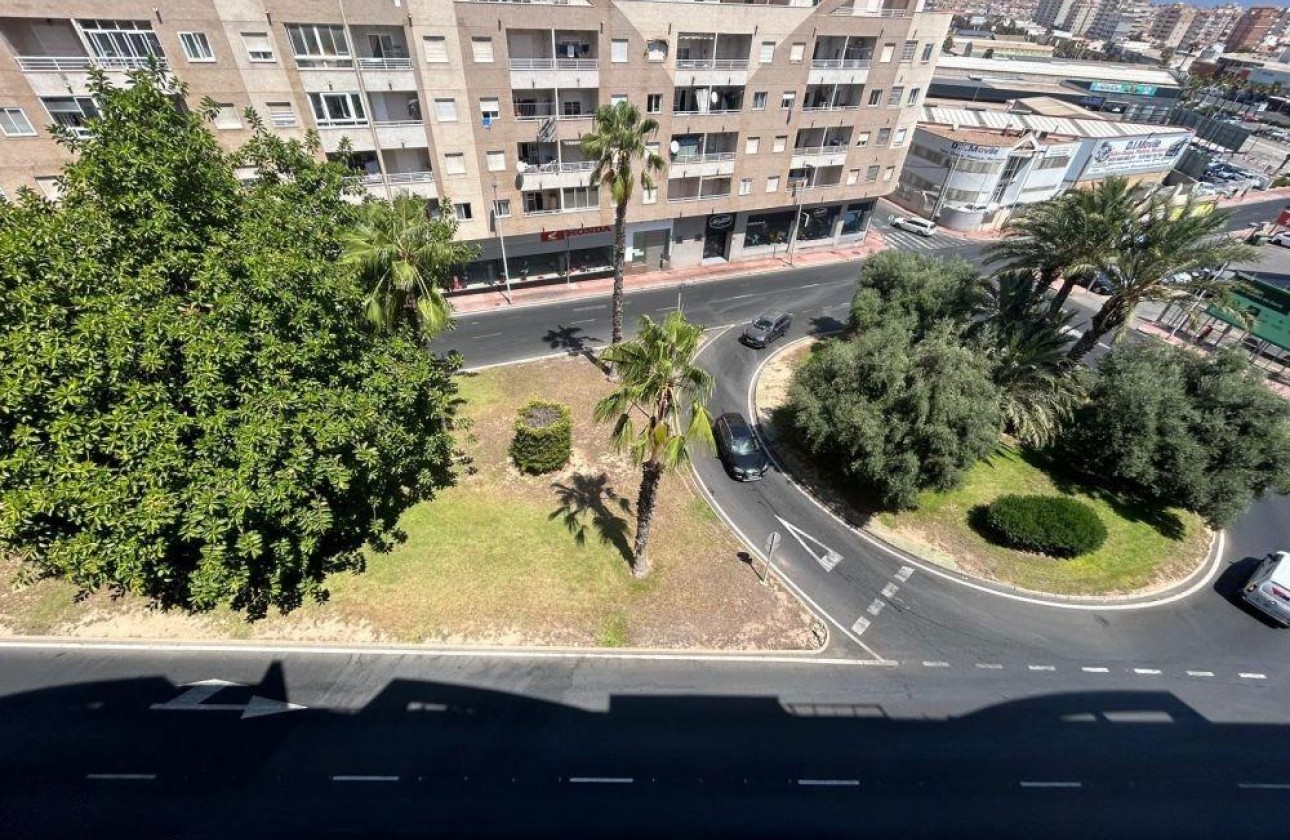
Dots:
pixel 454 163
pixel 763 96
pixel 616 98
pixel 281 114
pixel 649 195
pixel 227 118
pixel 895 96
pixel 76 126
pixel 888 50
pixel 653 103
pixel 319 45
pixel 787 100
pixel 797 52
pixel 912 98
pixel 899 138
pixel 432 46
pixel 752 145
pixel 656 50
pixel 888 173
pixel 781 143
pixel 496 160
pixel 10 116
pixel 618 51
pixel 350 113
pixel 481 49
pixel 500 204
pixel 853 176
pixel 772 184
pixel 265 56
pixel 445 110
pixel 188 41
pixel 463 212
pixel 745 186
pixel 909 51
pixel 490 107
pixel 862 139
pixel 766 55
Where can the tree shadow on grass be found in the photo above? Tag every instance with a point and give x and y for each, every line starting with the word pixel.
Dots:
pixel 1125 504
pixel 589 500
pixel 573 342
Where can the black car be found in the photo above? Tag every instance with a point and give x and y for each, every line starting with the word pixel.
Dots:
pixel 739 449
pixel 766 328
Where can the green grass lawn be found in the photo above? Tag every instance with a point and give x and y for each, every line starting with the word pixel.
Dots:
pixel 1145 546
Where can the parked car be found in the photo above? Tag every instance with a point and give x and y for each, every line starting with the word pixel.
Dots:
pixel 1268 589
pixel 913 224
pixel 1282 239
pixel 766 328
pixel 1099 283
pixel 739 449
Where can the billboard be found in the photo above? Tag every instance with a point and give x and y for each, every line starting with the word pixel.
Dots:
pixel 1138 154
pixel 971 151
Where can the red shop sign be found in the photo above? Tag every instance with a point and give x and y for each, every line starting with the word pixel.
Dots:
pixel 557 235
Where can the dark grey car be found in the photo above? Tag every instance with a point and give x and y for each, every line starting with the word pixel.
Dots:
pixel 739 449
pixel 766 328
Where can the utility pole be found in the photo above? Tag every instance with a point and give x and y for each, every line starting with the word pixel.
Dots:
pixel 497 223
pixel 800 189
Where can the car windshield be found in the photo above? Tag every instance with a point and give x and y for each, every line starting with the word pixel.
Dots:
pixel 763 323
pixel 743 444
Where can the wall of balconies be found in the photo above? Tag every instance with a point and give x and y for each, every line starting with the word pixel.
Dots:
pixel 712 59
pixel 553 58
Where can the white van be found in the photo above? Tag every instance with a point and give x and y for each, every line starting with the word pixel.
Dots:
pixel 913 224
pixel 1268 589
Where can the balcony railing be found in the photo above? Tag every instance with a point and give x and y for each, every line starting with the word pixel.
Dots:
pixel 546 211
pixel 385 63
pixel 706 157
pixel 710 111
pixel 811 151
pixel 396 123
pixel 583 115
pixel 353 123
pixel 284 121
pixel 852 107
pixel 848 11
pixel 317 62
pixel 577 166
pixel 712 64
pixel 73 63
pixel 419 177
pixel 673 200
pixel 840 63
pixel 534 110
pixel 554 64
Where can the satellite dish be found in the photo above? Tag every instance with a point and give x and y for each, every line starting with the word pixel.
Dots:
pixel 675 147
pixel 713 97
pixel 521 167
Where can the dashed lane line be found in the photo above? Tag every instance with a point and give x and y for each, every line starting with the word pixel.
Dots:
pixel 1200 673
pixel 890 590
pixel 904 574
pixel 989 666
pixel 875 607
pixel 121 777
pixel 936 664
pixel 1263 785
pixel 1042 785
pixel 861 625
pixel 1250 676
pixel 601 780
pixel 1092 669
pixel 1041 668
pixel 1147 672
pixel 828 782
pixel 360 778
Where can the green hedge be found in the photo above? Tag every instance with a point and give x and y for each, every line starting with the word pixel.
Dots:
pixel 543 438
pixel 1053 525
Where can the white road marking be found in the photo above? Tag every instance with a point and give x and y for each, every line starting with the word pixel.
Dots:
pixel 1200 673
pixel 601 780
pixel 990 666
pixel 936 664
pixel 889 590
pixel 904 573
pixel 590 308
pixel 1041 668
pixel 1052 784
pixel 808 285
pixel 740 297
pixel 825 556
pixel 364 778
pixel 584 321
pixel 122 777
pixel 861 625
pixel 875 607
pixel 1249 676
pixel 1147 671
pixel 418 706
pixel 829 782
pixel 1095 670
pixel 1263 785
pixel 488 335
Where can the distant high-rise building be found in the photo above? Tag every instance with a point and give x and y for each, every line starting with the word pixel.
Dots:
pixel 1053 12
pixel 1081 17
pixel 1210 26
pixel 1171 24
pixel 1118 19
pixel 1252 28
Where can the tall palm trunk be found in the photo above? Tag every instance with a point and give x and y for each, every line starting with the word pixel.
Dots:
pixel 1113 314
pixel 652 474
pixel 1046 278
pixel 620 254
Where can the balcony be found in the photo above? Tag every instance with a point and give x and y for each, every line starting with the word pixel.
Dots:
pixel 555 175
pixel 705 101
pixel 841 60
pixel 396 115
pixel 543 106
pixel 821 147
pixel 553 58
pixel 869 8
pixel 832 98
pixel 697 189
pixel 702 155
pixel 712 59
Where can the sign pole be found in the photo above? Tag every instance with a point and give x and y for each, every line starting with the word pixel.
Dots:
pixel 772 542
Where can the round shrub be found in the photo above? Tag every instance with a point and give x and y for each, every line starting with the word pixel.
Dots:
pixel 543 437
pixel 1053 525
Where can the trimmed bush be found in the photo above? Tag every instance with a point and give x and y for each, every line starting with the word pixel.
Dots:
pixel 543 438
pixel 1054 525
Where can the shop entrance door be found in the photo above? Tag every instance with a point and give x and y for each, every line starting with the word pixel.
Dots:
pixel 716 238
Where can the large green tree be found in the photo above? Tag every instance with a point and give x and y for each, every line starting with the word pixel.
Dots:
pixel 895 414
pixel 916 290
pixel 658 410
pixel 617 144
pixel 1203 432
pixel 191 405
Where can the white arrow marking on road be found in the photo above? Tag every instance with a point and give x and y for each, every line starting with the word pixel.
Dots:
pixel 825 556
pixel 193 699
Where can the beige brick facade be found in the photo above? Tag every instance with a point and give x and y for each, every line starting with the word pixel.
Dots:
pixel 476 100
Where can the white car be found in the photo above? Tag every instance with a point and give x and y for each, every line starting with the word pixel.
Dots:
pixel 1282 239
pixel 913 224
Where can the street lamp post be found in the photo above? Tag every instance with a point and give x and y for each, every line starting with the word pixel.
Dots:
pixel 501 239
pixel 684 285
pixel 800 190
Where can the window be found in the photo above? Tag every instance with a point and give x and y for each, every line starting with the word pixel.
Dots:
pixel 927 52
pixel 445 110
pixel 501 208
pixel 887 51
pixel 571 108
pixel 759 100
pixel 319 45
pixel 653 103
pixel 745 186
pixel 656 50
pixel 780 142
pixel 226 117
pixel 454 163
pixel 913 96
pixel 616 99
pixel 72 112
pixel 436 49
pixel 489 108
pixel 14 123
pixel 796 52
pixel 884 136
pixel 196 47
pixel 281 114
pixel 122 43
pixel 767 54
pixel 901 133
pixel 258 46
pixel 496 161
pixel 853 175
pixel 862 139
pixel 462 212
pixel 337 109
pixel 751 145
pixel 897 94
pixel 787 99
pixel 618 50
pixel 908 51
pixel 888 172
pixel 482 49
pixel 581 198
pixel 875 96
pixel 652 148
pixel 772 184
pixel 871 174
pixel 649 195
pixel 49 187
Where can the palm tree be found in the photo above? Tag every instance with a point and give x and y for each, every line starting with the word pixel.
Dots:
pixel 1065 237
pixel 615 143
pixel 659 383
pixel 1039 388
pixel 405 255
pixel 1162 243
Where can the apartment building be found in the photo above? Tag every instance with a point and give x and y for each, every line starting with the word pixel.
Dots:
pixel 1253 26
pixel 775 118
pixel 1171 24
pixel 1210 26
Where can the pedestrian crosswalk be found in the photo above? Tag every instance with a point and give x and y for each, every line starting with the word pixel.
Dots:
pixel 903 240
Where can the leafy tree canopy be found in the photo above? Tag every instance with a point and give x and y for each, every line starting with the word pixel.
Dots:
pixel 915 290
pixel 1204 433
pixel 191 405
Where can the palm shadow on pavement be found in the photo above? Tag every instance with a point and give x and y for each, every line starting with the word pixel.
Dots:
pixel 590 497
pixel 573 342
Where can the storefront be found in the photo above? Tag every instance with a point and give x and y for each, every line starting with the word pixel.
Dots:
pixel 552 256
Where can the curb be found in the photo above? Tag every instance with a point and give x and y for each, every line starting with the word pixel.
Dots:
pixel 1175 592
